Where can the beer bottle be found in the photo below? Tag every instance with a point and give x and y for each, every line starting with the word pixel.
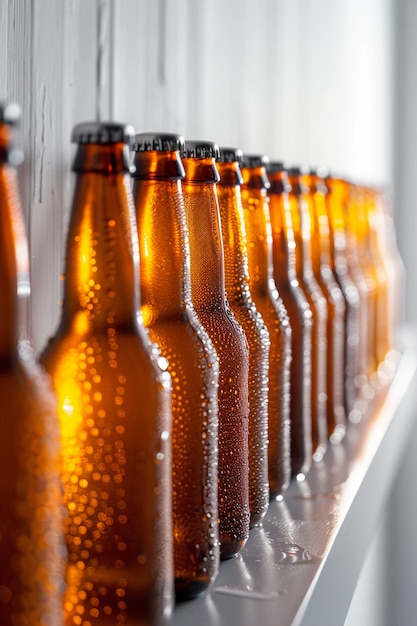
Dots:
pixel 285 276
pixel 335 203
pixel 321 265
pixel 243 307
pixel 114 403
pixel 270 305
pixel 300 207
pixel 31 525
pixel 380 274
pixel 362 267
pixel 383 227
pixel 172 323
pixel 208 297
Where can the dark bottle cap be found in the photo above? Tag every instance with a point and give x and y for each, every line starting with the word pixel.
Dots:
pixel 255 160
pixel 230 155
pixel 228 163
pixel 102 133
pixel 9 113
pixel 167 165
pixel 160 142
pixel 274 167
pixel 200 150
pixel 279 184
pixel 256 180
pixel 297 170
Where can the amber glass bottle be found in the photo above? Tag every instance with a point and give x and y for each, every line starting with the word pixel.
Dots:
pixel 300 206
pixel 380 274
pixel 285 276
pixel 384 237
pixel 336 198
pixel 241 302
pixel 208 297
pixel 274 313
pixel 167 311
pixel 321 265
pixel 31 526
pixel 360 261
pixel 114 403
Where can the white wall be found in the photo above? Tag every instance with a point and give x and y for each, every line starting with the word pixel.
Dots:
pixel 306 81
pixel 313 81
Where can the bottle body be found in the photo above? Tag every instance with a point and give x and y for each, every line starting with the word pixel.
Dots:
pixel 208 297
pixel 243 307
pixel 31 520
pixel 383 227
pixel 363 272
pixel 192 362
pixel 302 225
pixel 335 200
pixel 114 405
pixel 299 311
pixel 275 316
pixel 336 309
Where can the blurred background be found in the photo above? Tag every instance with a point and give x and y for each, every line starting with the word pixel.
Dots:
pixel 310 82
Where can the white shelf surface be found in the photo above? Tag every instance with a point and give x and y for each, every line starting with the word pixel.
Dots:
pixel 313 543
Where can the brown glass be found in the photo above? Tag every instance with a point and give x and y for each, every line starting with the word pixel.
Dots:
pixel 208 297
pixel 275 316
pixel 336 199
pixel 173 324
pixel 246 313
pixel 299 311
pixel 300 205
pixel 382 330
pixel 362 268
pixel 115 410
pixel 384 240
pixel 321 258
pixel 31 524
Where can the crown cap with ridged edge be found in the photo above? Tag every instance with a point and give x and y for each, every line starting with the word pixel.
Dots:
pixel 159 142
pixel 230 155
pixel 297 170
pixel 102 133
pixel 200 150
pixel 255 160
pixel 276 166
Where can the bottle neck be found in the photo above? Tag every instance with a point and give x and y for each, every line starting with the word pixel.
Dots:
pixel 283 244
pixel 233 232
pixel 336 201
pixel 300 216
pixel 101 273
pixel 206 245
pixel 258 228
pixel 8 265
pixel 14 256
pixel 164 248
pixel 321 242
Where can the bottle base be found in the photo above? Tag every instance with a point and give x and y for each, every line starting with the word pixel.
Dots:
pixel 186 589
pixel 229 549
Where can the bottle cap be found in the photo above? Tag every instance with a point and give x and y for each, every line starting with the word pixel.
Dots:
pixel 274 167
pixel 230 155
pixel 255 160
pixel 200 150
pixel 9 113
pixel 160 142
pixel 297 170
pixel 102 133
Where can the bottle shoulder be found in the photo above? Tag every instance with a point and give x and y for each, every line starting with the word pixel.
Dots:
pixel 104 351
